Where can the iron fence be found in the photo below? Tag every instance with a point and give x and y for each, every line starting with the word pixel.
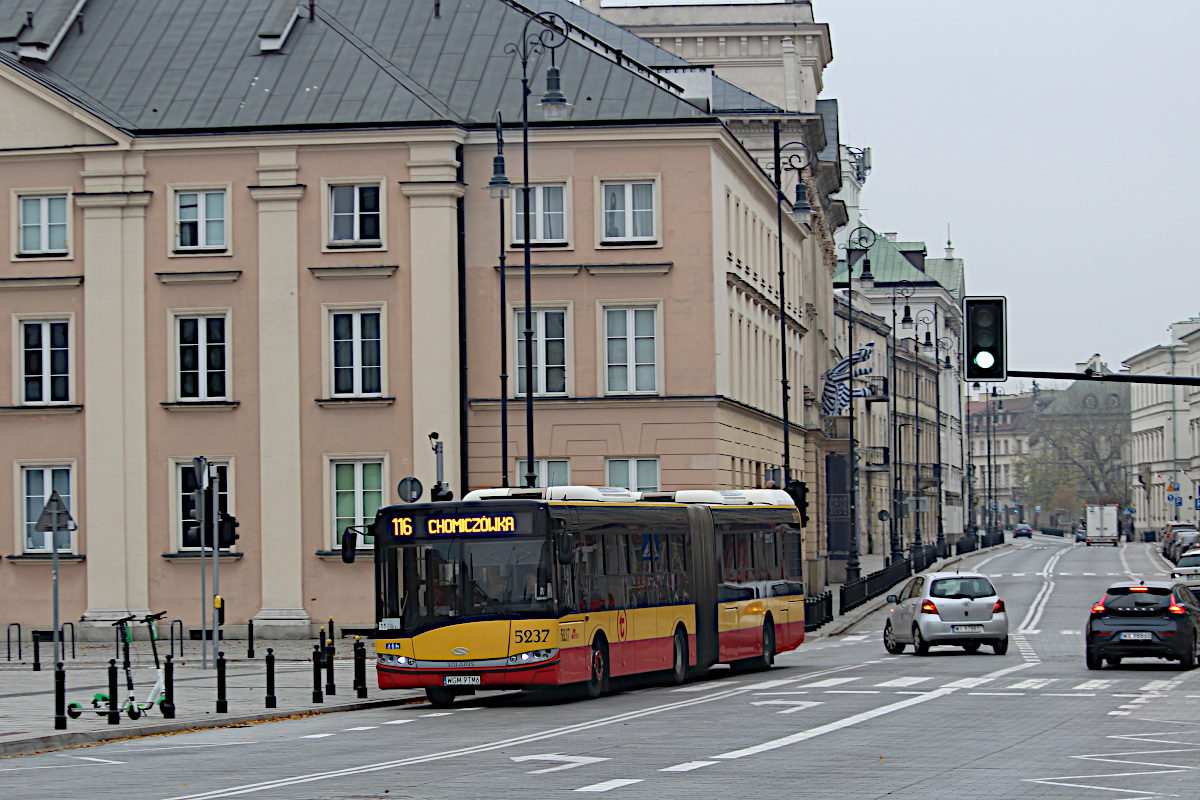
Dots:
pixel 818 611
pixel 855 593
pixel 966 543
pixel 992 538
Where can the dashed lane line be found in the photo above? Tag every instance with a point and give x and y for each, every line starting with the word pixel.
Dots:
pixel 688 766
pixel 615 783
pixel 913 681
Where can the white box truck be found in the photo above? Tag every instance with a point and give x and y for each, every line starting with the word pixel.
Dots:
pixel 1102 525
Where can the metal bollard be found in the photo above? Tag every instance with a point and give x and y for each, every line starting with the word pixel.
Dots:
pixel 321 634
pixel 167 706
pixel 114 703
pixel 271 702
pixel 60 698
pixel 330 688
pixel 62 637
pixel 250 649
pixel 222 703
pixel 8 639
pixel 317 697
pixel 360 669
pixel 37 652
pixel 332 632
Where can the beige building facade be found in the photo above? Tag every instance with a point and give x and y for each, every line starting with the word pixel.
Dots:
pixel 286 301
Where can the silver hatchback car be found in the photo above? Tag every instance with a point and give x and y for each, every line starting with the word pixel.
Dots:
pixel 960 609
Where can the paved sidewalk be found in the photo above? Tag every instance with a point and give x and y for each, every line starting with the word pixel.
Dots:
pixel 27 697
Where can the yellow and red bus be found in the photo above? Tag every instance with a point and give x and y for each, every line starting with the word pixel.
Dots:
pixel 524 588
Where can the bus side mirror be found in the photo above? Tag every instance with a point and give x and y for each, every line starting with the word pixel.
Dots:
pixel 349 545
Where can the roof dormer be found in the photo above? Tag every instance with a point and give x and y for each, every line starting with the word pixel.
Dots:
pixel 39 34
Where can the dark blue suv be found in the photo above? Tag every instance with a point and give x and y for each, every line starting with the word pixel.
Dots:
pixel 1156 619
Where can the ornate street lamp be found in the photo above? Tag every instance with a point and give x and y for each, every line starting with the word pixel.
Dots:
pixel 902 289
pixel 500 189
pixel 549 34
pixel 929 321
pixel 860 240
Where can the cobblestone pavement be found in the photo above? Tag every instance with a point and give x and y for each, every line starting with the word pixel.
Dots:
pixel 837 718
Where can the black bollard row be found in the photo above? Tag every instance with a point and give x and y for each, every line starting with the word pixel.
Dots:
pixel 317 697
pixel 114 703
pixel 271 702
pixel 167 706
pixel 250 648
pixel 330 650
pixel 60 697
pixel 222 703
pixel 360 669
pixel 37 652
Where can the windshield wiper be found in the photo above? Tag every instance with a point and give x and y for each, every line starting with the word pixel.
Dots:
pixel 492 602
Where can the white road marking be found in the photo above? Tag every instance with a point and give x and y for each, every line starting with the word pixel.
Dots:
pixel 688 766
pixel 362 728
pixel 616 783
pixel 1018 574
pixel 317 735
pixel 1089 574
pixel 1070 632
pixel 397 722
pixel 1119 713
pixel 1093 685
pixel 969 683
pixel 852 691
pixel 484 747
pixel 828 682
pixel 181 746
pixel 564 762
pixel 1158 686
pixel 856 638
pixel 97 760
pixel 438 714
pixel 902 682
pixel 792 705
pixel 1068 694
pixel 847 722
pixel 1033 683
pixel 1035 631
pixel 773 694
pixel 997 694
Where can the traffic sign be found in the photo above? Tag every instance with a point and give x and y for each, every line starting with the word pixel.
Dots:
pixel 55 516
pixel 1178 500
pixel 1037 509
pixel 1170 499
pixel 409 490
pixel 1198 503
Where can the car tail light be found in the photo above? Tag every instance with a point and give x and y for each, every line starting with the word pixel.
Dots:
pixel 1139 589
pixel 999 607
pixel 1175 608
pixel 928 607
pixel 1098 608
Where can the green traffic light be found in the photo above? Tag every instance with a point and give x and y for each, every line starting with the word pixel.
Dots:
pixel 984 360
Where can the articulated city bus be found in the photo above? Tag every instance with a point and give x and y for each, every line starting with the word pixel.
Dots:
pixel 517 588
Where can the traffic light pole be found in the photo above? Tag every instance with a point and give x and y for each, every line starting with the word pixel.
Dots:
pixel 215 483
pixel 200 470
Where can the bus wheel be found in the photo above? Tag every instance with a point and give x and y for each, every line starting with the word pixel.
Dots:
pixel 597 684
pixel 679 667
pixel 767 660
pixel 439 696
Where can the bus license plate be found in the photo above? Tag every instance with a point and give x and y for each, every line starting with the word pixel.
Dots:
pixel 461 680
pixel 966 629
pixel 1136 636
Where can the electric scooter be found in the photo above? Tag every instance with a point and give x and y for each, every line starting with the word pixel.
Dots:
pixel 133 708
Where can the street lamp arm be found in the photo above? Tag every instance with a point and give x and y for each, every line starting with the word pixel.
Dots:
pixel 552 36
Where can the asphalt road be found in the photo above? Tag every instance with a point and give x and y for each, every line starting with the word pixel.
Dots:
pixel 837 718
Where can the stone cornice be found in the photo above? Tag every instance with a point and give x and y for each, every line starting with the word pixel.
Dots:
pixel 433 188
pixel 46 282
pixel 112 199
pixel 200 276
pixel 353 272
pixel 294 191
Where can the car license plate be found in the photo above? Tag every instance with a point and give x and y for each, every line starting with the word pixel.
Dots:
pixel 1128 635
pixel 966 629
pixel 461 680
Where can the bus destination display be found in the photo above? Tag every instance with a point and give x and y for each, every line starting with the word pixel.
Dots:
pixel 464 525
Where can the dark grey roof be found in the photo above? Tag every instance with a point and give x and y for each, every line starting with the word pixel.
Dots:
pixel 158 66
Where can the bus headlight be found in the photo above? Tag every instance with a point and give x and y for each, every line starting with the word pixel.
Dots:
pixel 531 657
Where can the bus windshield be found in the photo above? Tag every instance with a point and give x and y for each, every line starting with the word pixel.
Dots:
pixel 459 579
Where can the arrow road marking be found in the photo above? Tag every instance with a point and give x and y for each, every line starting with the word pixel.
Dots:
pixel 565 762
pixel 794 705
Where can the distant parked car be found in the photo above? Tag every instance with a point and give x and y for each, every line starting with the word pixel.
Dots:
pixel 1171 530
pixel 1187 569
pixel 1184 540
pixel 1023 530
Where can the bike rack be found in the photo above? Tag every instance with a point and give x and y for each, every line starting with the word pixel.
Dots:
pixel 62 637
pixel 171 634
pixel 8 637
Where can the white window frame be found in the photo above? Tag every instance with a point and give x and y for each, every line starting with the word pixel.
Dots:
pixel 629 306
pixel 175 225
pixel 539 345
pixel 631 466
pixel 542 466
pixel 19 468
pixel 178 464
pixel 331 245
pixel 18 360
pixel 330 462
pixel 177 361
pixel 20 254
pixel 656 238
pixel 537 210
pixel 327 351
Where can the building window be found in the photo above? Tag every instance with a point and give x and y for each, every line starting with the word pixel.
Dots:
pixel 37 485
pixel 45 362
pixel 354 215
pixel 548 472
pixel 44 224
pixel 201 357
pixel 549 351
pixel 628 211
pixel 630 352
pixel 200 217
pixel 188 538
pixel 357 349
pixel 357 495
pixel 547 206
pixel 635 474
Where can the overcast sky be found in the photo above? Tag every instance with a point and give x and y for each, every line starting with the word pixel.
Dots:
pixel 1057 137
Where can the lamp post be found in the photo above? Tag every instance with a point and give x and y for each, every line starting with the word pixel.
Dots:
pixel 802 213
pixel 551 36
pixel 905 290
pixel 500 189
pixel 860 240
pixel 929 321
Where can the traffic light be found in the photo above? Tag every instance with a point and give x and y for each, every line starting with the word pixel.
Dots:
pixel 440 493
pixel 219 608
pixel 201 500
pixel 227 530
pixel 986 338
pixel 799 492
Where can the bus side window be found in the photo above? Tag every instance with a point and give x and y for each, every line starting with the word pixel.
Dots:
pixel 729 557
